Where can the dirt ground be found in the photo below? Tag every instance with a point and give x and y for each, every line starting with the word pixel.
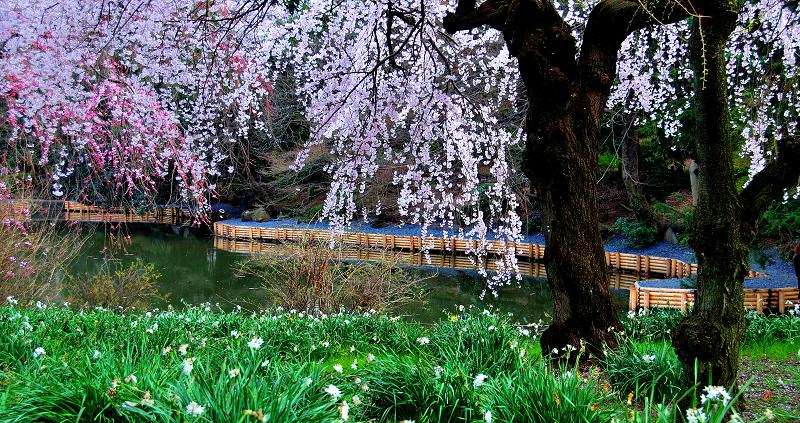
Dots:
pixel 774 385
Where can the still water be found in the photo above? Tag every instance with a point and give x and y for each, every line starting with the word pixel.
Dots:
pixel 194 271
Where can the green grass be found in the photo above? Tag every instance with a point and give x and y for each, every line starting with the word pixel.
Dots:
pixel 775 351
pixel 648 369
pixel 110 366
pixel 659 324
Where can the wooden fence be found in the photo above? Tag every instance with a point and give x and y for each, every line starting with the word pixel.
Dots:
pixel 618 280
pixel 621 262
pixel 647 297
pixel 53 210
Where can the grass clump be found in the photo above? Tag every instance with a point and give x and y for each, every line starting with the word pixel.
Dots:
pixel 658 325
pixel 550 396
pixel 645 369
pixel 132 286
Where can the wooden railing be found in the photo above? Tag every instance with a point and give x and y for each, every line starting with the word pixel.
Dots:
pixel 627 269
pixel 647 297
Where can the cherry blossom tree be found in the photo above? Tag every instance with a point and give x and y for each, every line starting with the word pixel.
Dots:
pixel 106 99
pixel 432 91
pixel 741 82
pixel 389 86
pixel 368 94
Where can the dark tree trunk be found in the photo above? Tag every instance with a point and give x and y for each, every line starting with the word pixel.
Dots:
pixel 566 100
pixel 725 221
pixel 712 334
pixel 575 258
pixel 631 176
pixel 563 128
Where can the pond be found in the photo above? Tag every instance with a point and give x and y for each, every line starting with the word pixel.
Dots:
pixel 194 271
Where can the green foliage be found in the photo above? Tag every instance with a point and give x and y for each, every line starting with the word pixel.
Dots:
pixel 637 234
pixel 466 340
pixel 90 355
pixel 646 369
pixel 311 214
pixel 549 396
pixel 658 325
pixel 709 404
pixel 412 389
pixel 277 366
pixel 781 222
pixel 608 161
pixel 653 326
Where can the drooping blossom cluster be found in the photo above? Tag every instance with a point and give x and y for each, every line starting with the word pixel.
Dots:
pixel 388 89
pixel 110 98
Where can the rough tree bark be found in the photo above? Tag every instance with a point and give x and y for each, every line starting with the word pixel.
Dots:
pixel 724 222
pixel 566 98
pixel 631 177
pixel 713 333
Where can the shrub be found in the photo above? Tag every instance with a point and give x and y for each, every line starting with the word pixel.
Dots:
pixel 636 234
pixel 311 276
pixel 781 222
pixel 33 255
pixel 115 285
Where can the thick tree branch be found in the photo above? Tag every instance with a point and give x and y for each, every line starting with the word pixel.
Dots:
pixel 770 184
pixel 465 6
pixel 491 12
pixel 609 23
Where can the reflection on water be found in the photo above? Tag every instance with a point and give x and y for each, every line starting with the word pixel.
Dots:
pixel 446 260
pixel 194 271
